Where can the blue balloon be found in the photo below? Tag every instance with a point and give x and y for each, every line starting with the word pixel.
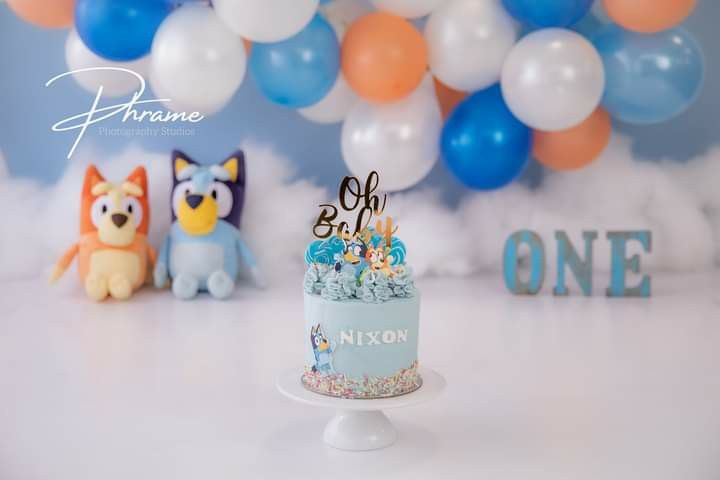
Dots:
pixel 483 144
pixel 301 70
pixel 548 13
pixel 120 30
pixel 650 78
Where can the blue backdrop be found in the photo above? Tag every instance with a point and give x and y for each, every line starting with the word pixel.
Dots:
pixel 31 56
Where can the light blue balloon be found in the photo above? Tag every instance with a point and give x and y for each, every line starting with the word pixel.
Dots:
pixel 301 70
pixel 649 78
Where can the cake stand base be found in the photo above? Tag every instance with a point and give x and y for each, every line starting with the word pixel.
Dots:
pixel 360 424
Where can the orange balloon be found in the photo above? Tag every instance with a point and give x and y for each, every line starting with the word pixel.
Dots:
pixel 447 97
pixel 649 16
pixel 384 57
pixel 576 147
pixel 44 13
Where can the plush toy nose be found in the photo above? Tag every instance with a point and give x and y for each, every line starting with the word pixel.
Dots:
pixel 119 219
pixel 194 200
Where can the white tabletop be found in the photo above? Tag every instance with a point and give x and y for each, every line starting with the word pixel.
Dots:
pixel 537 388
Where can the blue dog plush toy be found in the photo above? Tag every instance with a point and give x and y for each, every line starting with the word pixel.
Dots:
pixel 204 248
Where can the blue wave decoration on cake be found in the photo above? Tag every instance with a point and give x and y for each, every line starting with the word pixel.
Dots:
pixel 397 251
pixel 324 251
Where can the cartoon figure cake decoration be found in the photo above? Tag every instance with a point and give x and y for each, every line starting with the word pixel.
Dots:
pixel 113 252
pixel 361 305
pixel 321 349
pixel 204 249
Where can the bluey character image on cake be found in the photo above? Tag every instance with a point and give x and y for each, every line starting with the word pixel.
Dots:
pixel 354 251
pixel 321 349
pixel 113 252
pixel 379 259
pixel 204 248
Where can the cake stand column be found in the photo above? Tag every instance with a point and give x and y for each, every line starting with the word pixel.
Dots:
pixel 359 430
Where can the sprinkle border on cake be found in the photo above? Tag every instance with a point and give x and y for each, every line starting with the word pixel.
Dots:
pixel 402 382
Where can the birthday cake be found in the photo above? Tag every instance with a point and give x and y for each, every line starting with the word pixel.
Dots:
pixel 361 307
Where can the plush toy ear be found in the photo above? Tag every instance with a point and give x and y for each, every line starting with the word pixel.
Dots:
pixel 136 183
pixel 92 178
pixel 180 162
pixel 235 167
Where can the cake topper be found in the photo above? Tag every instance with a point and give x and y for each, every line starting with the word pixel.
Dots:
pixel 365 203
pixel 358 258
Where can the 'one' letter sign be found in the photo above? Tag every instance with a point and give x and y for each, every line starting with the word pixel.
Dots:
pixel 580 266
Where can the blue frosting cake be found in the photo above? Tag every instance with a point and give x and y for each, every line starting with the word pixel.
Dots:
pixel 361 318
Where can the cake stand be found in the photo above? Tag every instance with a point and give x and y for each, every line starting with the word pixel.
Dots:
pixel 360 424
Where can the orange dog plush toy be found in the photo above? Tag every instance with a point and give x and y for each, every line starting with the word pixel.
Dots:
pixel 113 251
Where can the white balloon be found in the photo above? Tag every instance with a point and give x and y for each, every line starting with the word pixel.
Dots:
pixel 335 106
pixel 399 140
pixel 408 8
pixel 553 79
pixel 161 94
pixel 468 42
pixel 197 61
pixel 342 13
pixel 266 20
pixel 114 83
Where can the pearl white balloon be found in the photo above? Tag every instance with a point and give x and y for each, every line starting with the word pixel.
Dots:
pixel 553 79
pixel 114 83
pixel 468 42
pixel 342 13
pixel 160 93
pixel 408 8
pixel 335 106
pixel 197 61
pixel 266 20
pixel 399 140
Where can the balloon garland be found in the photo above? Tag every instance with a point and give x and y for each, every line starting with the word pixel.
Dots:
pixel 507 78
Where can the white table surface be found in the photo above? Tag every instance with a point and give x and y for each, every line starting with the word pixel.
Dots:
pixel 538 388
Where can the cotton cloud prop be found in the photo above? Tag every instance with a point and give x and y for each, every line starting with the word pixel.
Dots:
pixel 679 203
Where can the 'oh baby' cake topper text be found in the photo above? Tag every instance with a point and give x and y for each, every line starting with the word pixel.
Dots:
pixel 354 197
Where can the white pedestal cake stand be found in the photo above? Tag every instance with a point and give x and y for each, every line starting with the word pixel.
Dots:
pixel 360 424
